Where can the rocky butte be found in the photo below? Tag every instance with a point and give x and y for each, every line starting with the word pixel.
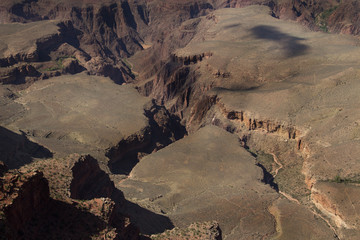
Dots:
pixel 193 119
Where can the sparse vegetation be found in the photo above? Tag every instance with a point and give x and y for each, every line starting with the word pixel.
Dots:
pixel 339 179
pixel 322 19
pixel 59 64
pixel 194 231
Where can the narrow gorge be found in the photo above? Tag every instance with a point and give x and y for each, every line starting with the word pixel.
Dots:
pixel 206 119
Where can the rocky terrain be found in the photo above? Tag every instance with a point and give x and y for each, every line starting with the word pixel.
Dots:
pixel 209 119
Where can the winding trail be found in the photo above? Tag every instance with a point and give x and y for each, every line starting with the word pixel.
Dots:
pixel 278 163
pixel 290 198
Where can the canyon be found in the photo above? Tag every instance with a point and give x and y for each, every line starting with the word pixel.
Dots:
pixel 209 119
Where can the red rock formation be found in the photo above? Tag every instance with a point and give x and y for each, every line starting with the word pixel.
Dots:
pixel 346 18
pixel 28 212
pixel 22 197
pixel 117 225
pixel 89 181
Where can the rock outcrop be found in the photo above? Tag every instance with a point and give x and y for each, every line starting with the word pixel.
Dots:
pixel 98 37
pixel 164 129
pixel 329 15
pixel 198 231
pixel 89 181
pixel 345 18
pixel 23 196
pixel 28 212
pixel 274 108
pixel 108 33
pixel 286 94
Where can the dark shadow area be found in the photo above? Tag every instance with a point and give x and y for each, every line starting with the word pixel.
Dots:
pixel 17 150
pixel 69 35
pixel 232 26
pixel 89 182
pixel 165 128
pixel 290 44
pixel 24 10
pixel 125 155
pixel 61 221
pixel 197 10
pixel 268 178
pixel 126 164
pixel 147 221
pixel 108 15
pixel 19 74
pixel 237 89
pixel 143 13
pixel 2 229
pixel 129 17
pixel 3 169
pixel 114 73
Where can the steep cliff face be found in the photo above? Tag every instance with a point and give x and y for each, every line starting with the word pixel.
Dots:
pixel 100 37
pixel 164 128
pixel 28 212
pixel 195 86
pixel 111 25
pixel 106 33
pixel 103 199
pixel 89 181
pixel 330 15
pixel 23 196
pixel 345 18
pixel 97 35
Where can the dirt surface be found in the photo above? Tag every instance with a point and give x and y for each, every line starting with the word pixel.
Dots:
pixel 60 112
pixel 12 40
pixel 283 89
pixel 208 175
pixel 215 119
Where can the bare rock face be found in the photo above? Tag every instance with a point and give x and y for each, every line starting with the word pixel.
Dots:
pixel 163 129
pixel 103 199
pixel 19 74
pixel 27 211
pixel 345 18
pixel 112 225
pixel 339 201
pixel 71 66
pixel 100 31
pixel 329 15
pixel 276 100
pixel 114 30
pixel 22 197
pixel 89 181
pixel 287 94
pixel 105 21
